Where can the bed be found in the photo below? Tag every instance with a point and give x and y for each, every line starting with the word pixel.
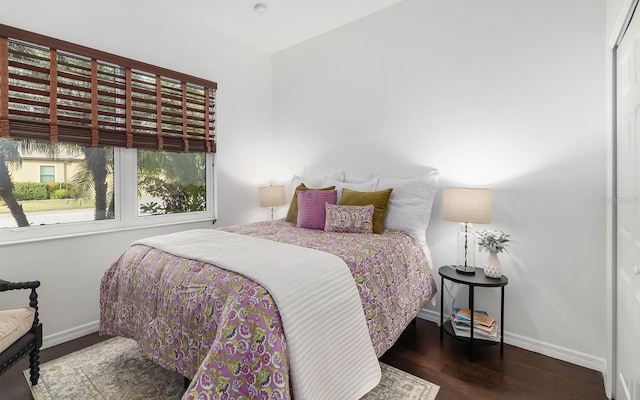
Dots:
pixel 225 330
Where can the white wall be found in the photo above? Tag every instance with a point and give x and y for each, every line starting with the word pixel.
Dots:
pixel 70 269
pixel 500 94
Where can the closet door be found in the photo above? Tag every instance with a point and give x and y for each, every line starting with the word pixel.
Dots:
pixel 628 206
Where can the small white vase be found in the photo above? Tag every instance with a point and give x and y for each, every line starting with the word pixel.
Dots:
pixel 493 267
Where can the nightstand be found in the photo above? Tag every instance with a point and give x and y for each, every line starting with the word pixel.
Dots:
pixel 472 281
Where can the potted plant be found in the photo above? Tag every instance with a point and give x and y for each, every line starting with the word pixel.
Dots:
pixel 494 242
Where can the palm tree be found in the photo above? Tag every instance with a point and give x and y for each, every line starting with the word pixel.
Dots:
pixel 10 158
pixel 93 179
pixel 183 168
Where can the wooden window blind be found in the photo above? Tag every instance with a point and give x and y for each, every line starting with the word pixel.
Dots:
pixel 62 92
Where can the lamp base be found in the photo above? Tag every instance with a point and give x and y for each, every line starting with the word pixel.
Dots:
pixel 465 269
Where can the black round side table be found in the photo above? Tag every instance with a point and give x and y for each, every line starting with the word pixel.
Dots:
pixel 479 279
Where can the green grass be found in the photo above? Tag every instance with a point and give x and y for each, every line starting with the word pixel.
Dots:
pixel 50 205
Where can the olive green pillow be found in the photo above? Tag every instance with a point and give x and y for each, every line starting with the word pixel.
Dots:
pixel 379 199
pixel 292 214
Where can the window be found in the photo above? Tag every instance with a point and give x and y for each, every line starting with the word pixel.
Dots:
pixel 47 173
pixel 109 138
pixel 125 186
pixel 171 182
pixel 83 193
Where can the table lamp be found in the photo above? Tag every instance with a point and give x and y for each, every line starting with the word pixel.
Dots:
pixel 467 206
pixel 271 196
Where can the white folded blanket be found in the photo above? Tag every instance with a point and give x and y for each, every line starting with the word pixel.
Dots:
pixel 329 348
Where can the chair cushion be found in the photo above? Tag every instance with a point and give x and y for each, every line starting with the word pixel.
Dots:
pixel 14 323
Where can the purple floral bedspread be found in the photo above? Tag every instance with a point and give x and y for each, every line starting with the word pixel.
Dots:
pixel 224 330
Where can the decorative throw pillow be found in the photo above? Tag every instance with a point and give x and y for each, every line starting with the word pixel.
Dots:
pixel 292 214
pixel 349 219
pixel 379 199
pixel 311 207
pixel 410 203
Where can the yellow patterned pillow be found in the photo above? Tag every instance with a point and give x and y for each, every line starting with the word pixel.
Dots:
pixel 349 219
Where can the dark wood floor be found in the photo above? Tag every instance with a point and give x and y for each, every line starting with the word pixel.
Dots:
pixel 518 375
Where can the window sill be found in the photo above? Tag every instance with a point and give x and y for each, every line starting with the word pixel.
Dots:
pixel 107 227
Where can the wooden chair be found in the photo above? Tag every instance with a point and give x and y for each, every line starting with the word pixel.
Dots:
pixel 31 341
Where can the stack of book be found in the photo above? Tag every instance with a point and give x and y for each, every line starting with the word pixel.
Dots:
pixel 484 325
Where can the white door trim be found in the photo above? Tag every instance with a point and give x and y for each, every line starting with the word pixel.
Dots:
pixel 621 24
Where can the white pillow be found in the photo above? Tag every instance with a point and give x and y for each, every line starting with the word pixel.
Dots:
pixel 14 323
pixel 368 186
pixel 315 183
pixel 409 208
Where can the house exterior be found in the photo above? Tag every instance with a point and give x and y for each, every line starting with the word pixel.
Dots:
pixel 38 167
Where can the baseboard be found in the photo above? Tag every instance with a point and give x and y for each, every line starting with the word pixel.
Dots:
pixel 69 334
pixel 537 346
pixel 551 350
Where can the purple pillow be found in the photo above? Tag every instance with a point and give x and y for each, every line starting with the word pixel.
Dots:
pixel 349 219
pixel 311 207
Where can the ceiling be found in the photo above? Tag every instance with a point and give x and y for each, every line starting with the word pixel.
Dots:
pixel 286 23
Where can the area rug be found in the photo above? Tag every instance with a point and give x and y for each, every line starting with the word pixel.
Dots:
pixel 117 369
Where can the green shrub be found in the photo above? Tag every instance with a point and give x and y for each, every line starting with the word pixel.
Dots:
pixel 61 194
pixel 30 191
pixel 176 198
pixel 53 186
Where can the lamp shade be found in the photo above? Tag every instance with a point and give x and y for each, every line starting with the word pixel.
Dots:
pixel 271 196
pixel 466 205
